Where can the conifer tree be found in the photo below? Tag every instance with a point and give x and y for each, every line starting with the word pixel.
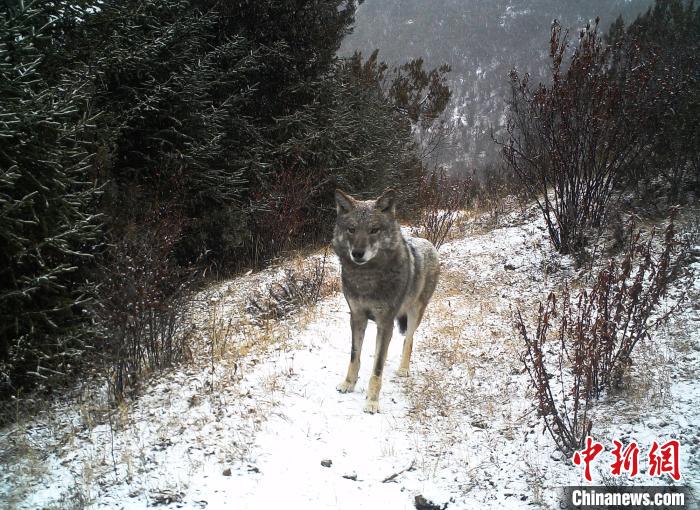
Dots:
pixel 48 228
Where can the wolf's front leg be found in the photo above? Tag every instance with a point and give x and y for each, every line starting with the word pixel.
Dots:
pixel 385 328
pixel 358 324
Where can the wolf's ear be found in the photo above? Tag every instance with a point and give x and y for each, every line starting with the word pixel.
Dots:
pixel 343 202
pixel 387 202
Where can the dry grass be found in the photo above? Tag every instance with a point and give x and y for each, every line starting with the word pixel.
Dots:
pixel 477 219
pixel 453 283
pixel 445 344
pixel 300 285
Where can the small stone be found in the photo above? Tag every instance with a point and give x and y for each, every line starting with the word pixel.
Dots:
pixel 351 476
pixel 424 504
pixel 326 462
pixel 227 472
pixel 557 456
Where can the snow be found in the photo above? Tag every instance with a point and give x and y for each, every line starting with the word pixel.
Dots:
pixel 252 432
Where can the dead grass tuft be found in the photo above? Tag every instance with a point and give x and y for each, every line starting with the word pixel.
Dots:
pixel 298 287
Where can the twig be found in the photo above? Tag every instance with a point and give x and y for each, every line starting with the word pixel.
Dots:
pixel 391 478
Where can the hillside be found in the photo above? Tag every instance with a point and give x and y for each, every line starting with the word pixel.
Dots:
pixel 249 422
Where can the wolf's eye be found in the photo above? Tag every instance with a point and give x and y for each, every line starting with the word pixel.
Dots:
pixel 375 230
pixel 351 230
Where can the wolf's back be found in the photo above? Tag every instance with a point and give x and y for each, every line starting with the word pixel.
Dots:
pixel 427 257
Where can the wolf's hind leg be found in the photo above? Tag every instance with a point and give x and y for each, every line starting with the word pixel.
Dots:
pixel 385 329
pixel 358 324
pixel 415 316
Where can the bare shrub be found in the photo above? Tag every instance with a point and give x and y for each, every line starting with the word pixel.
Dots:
pixel 296 289
pixel 442 200
pixel 596 333
pixel 571 142
pixel 144 298
pixel 565 415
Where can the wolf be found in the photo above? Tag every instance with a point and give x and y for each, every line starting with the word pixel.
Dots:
pixel 385 277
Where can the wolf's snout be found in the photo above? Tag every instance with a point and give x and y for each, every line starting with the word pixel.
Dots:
pixel 358 255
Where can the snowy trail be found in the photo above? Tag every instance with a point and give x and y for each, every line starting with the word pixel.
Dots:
pixel 314 422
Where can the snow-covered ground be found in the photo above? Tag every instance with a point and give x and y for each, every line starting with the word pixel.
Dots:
pixel 263 426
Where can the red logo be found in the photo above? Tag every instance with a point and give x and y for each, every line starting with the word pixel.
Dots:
pixel 663 459
pixel 667 461
pixel 627 460
pixel 587 455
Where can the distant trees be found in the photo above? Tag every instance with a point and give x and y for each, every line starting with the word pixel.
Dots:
pixel 481 40
pixel 422 96
pixel 667 38
pixel 611 113
pixel 144 142
pixel 414 98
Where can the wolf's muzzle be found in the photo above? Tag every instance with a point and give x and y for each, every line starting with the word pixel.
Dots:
pixel 358 255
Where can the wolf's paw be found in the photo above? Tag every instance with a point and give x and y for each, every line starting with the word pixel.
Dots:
pixel 345 387
pixel 371 406
pixel 402 372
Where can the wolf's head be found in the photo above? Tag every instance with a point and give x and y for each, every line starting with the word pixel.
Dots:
pixel 365 229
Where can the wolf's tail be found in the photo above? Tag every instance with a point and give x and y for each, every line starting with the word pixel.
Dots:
pixel 402 321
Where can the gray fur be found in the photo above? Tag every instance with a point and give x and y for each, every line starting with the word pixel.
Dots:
pixel 385 277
